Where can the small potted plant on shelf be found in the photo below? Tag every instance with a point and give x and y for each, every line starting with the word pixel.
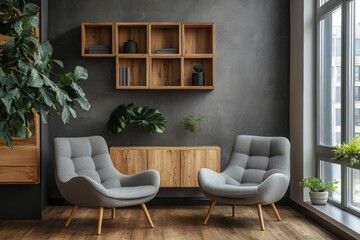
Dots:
pixel 198 75
pixel 193 122
pixel 347 152
pixel 318 189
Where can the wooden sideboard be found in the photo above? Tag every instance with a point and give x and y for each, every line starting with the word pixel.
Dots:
pixel 178 166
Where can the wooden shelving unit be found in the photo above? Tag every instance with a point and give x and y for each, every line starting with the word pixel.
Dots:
pixel 97 34
pixel 21 164
pixel 149 67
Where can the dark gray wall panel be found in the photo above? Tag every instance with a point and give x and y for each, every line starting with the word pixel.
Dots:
pixel 252 71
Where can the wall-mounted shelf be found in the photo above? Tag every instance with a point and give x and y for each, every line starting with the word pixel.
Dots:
pixel 97 39
pixel 166 52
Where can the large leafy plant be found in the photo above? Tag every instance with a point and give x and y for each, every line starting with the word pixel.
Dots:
pixel 348 152
pixel 149 119
pixel 317 185
pixel 27 79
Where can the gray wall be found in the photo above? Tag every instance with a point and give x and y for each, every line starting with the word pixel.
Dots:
pixel 252 71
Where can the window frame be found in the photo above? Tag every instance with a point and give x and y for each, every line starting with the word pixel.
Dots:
pixel 323 152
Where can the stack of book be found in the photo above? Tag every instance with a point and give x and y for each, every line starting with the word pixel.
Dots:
pixel 124 76
pixel 166 51
pixel 99 49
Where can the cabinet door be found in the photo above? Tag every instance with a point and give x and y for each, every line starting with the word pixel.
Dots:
pixel 194 159
pixel 167 162
pixel 129 161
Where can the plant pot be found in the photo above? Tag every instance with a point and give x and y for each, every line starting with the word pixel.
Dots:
pixel 319 198
pixel 130 47
pixel 198 79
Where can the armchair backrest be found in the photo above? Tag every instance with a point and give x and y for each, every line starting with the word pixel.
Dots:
pixel 255 158
pixel 83 156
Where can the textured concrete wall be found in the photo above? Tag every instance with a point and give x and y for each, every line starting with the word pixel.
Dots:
pixel 252 71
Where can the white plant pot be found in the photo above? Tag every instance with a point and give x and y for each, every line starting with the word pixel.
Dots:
pixel 319 198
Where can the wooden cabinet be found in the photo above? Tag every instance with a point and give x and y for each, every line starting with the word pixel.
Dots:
pixel 178 166
pixel 21 164
pixel 129 161
pixel 166 52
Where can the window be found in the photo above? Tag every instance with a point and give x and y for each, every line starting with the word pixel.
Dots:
pixel 338 95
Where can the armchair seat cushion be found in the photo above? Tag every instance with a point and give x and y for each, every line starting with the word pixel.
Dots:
pixel 129 193
pixel 231 191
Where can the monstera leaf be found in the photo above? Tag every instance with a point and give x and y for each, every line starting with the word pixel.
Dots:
pixel 27 79
pixel 147 118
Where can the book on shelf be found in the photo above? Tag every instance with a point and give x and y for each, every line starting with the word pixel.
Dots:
pixel 124 76
pixel 99 49
pixel 166 51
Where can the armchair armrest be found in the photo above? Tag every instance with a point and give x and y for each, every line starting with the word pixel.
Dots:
pixel 148 177
pixel 273 188
pixel 206 175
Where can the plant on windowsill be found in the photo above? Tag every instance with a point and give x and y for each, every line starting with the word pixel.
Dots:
pixel 347 152
pixel 27 75
pixel 147 118
pixel 193 122
pixel 318 189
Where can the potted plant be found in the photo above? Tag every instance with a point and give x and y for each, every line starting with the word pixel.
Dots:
pixel 28 81
pixel 193 122
pixel 318 189
pixel 147 118
pixel 347 152
pixel 198 75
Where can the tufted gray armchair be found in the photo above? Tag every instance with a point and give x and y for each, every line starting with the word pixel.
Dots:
pixel 86 177
pixel 258 173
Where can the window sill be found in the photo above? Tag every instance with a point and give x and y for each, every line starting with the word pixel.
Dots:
pixel 341 219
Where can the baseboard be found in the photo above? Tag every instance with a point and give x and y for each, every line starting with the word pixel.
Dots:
pixel 320 221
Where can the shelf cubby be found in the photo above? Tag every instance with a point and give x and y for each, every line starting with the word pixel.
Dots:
pixel 138 32
pixel 165 36
pixel 97 34
pixel 208 64
pixel 198 38
pixel 165 73
pixel 138 72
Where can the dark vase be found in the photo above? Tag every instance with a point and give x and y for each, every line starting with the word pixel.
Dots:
pixel 130 47
pixel 198 79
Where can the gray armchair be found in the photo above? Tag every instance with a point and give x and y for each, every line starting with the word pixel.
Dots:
pixel 258 173
pixel 86 177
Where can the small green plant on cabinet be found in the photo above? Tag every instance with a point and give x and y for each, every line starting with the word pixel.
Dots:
pixel 27 79
pixel 348 152
pixel 149 119
pixel 193 122
pixel 317 185
pixel 197 67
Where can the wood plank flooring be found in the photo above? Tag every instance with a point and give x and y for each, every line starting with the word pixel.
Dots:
pixel 171 222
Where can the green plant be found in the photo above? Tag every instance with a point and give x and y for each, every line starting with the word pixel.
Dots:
pixel 148 118
pixel 26 69
pixel 317 185
pixel 347 152
pixel 193 122
pixel 197 67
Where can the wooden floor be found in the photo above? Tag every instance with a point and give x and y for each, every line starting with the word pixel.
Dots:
pixel 170 222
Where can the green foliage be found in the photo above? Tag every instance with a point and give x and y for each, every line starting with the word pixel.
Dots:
pixel 26 71
pixel 348 152
pixel 317 185
pixel 149 119
pixel 198 67
pixel 193 122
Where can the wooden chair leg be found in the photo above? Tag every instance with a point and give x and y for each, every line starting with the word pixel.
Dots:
pixel 113 213
pixel 101 212
pixel 147 214
pixel 212 206
pixel 73 211
pixel 233 210
pixel 261 218
pixel 275 211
